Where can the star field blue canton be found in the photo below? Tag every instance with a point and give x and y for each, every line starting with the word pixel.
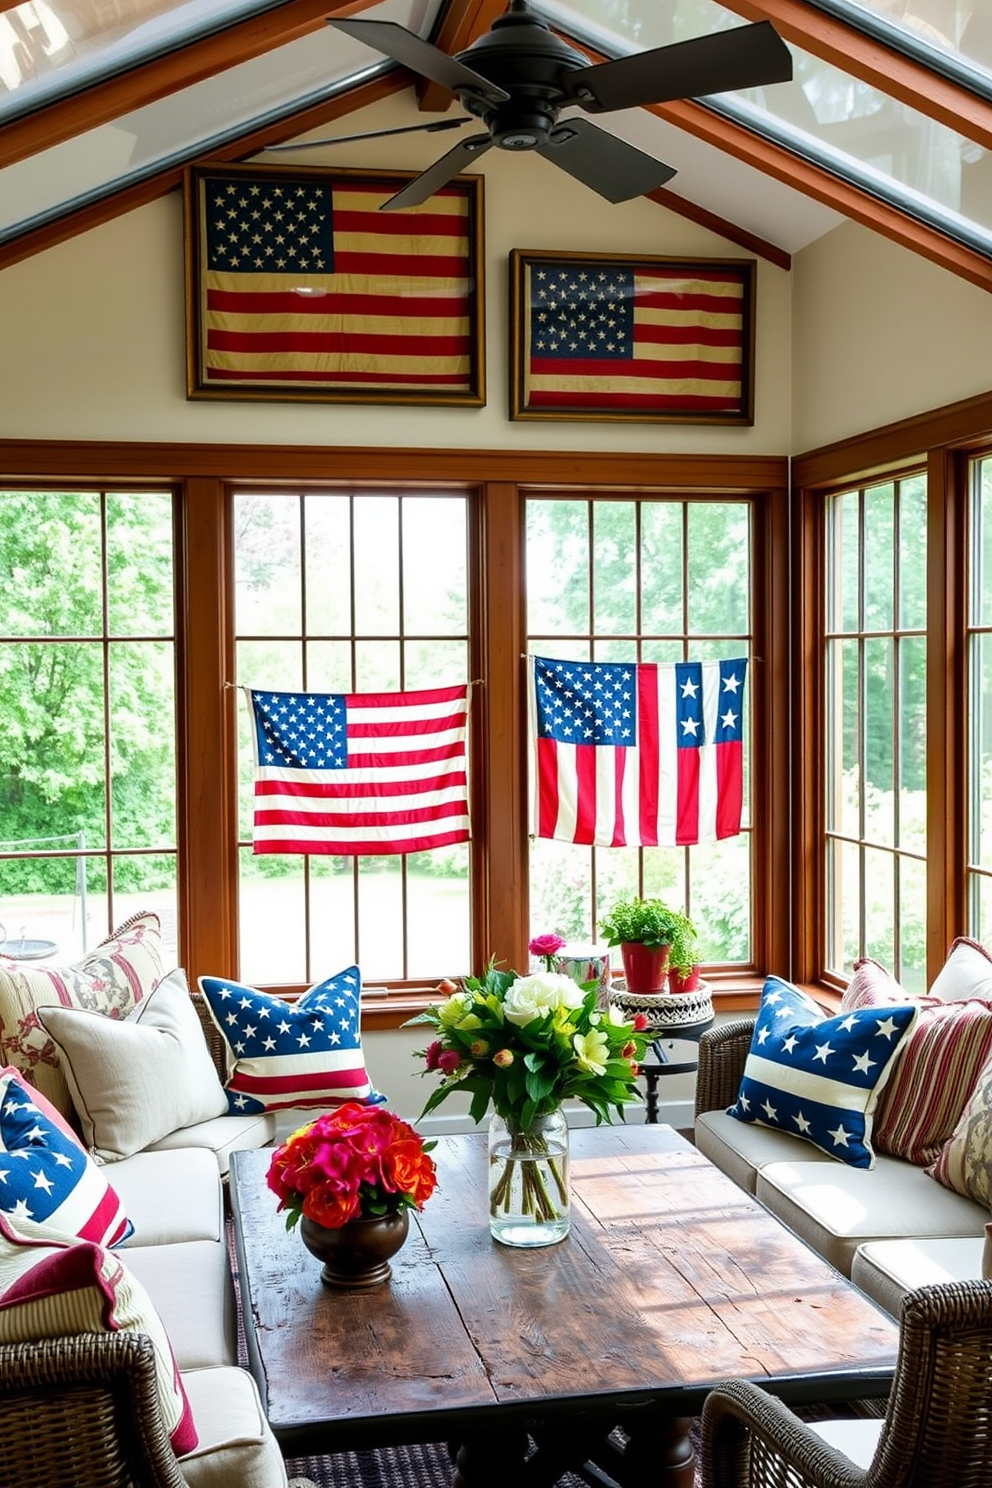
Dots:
pixel 819 1078
pixel 300 1054
pixel 301 731
pixel 279 227
pixel 582 312
pixel 49 1184
pixel 586 702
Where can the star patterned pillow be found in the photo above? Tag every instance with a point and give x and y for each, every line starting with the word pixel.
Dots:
pixel 284 1055
pixel 50 1187
pixel 820 1078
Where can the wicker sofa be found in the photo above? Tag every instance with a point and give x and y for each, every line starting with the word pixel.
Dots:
pixel 84 1409
pixel 891 1227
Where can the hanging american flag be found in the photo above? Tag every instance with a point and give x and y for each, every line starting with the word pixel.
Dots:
pixel 360 772
pixel 647 755
pixel 632 339
pixel 305 288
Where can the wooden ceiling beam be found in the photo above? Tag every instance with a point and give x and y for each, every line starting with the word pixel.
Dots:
pixel 720 225
pixel 462 23
pixel 150 81
pixel 37 239
pixel 822 186
pixel 881 66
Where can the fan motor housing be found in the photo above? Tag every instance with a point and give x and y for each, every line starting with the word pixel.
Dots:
pixel 521 55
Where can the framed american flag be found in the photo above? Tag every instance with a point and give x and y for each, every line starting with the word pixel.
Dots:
pixel 299 288
pixel 614 336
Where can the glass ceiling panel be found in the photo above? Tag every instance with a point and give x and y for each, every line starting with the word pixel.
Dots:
pixel 50 48
pixel 827 116
pixel 187 124
pixel 955 31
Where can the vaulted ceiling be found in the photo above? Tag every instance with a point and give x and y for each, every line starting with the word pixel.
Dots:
pixel 887 121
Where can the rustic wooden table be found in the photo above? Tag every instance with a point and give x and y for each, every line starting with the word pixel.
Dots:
pixel 671 1279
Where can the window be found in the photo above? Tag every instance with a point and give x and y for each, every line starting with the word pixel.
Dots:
pixel 87 695
pixel 875 745
pixel 979 688
pixel 647 580
pixel 350 591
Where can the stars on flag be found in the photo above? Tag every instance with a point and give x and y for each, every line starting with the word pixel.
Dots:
pixel 279 227
pixel 575 313
pixel 587 702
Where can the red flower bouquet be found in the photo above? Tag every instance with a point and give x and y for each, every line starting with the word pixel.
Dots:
pixel 356 1162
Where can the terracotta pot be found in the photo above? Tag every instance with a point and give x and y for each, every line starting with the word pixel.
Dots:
pixel 644 966
pixel 687 983
pixel 356 1255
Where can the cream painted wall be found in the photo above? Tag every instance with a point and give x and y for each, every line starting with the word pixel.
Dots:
pixel 92 331
pixel 880 334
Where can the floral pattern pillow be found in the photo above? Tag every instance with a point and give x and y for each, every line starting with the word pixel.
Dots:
pixel 112 979
pixel 965 1161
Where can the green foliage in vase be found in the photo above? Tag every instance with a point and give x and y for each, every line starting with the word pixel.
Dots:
pixel 526 1044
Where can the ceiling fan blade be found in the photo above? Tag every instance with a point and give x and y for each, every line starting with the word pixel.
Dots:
pixel 745 57
pixel 420 56
pixel 616 170
pixel 347 139
pixel 438 174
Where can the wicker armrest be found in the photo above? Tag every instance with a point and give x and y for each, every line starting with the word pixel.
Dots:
pixel 752 1440
pixel 215 1042
pixel 83 1412
pixel 722 1054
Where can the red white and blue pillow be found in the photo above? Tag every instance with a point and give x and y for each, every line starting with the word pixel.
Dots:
pixel 820 1078
pixel 55 1289
pixel 284 1055
pixel 50 1187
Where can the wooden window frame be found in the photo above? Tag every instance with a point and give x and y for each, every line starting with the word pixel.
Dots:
pixel 203 476
pixel 945 439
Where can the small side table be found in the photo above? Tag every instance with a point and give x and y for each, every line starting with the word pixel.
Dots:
pixel 662 1058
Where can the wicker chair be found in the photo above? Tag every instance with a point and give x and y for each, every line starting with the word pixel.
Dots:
pixel 937 1431
pixel 82 1412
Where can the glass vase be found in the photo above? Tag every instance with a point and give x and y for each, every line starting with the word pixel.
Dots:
pixel 528 1180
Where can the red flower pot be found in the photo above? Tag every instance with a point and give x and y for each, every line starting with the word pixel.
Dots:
pixel 644 966
pixel 687 983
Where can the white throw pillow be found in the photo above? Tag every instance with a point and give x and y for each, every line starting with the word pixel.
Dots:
pixel 966 973
pixel 134 1081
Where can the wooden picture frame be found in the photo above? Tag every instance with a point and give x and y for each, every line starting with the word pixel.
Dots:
pixel 621 337
pixel 298 288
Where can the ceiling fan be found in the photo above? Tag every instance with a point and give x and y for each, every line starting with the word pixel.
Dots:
pixel 519 76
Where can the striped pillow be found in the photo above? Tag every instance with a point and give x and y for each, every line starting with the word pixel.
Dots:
pixel 872 986
pixel 56 1289
pixel 933 1080
pixel 286 1055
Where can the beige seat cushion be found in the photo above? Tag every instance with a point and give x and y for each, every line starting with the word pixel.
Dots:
pixel 887 1269
pixel 191 1286
pixel 835 1208
pixel 740 1149
pixel 236 1448
pixel 170 1196
pixel 224 1135
pixel 857 1439
pixel 135 1080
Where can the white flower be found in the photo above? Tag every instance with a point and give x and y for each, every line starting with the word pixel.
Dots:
pixel 532 997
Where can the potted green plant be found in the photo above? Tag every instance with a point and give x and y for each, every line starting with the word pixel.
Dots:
pixel 683 955
pixel 643 929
